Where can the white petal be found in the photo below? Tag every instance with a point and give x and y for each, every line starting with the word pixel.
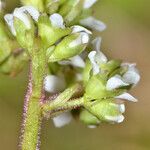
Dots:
pixel 18 13
pixel 121 108
pixel 54 84
pixel 92 23
pixel 83 38
pixel 77 61
pixel 97 43
pixel 100 57
pixel 89 3
pixel 127 96
pixel 10 21
pixel 57 20
pixel 115 82
pixel 117 119
pixel 62 120
pixel 77 28
pixel 92 57
pixel 132 76
pixel 32 11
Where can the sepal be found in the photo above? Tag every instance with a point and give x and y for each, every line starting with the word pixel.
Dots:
pixel 89 119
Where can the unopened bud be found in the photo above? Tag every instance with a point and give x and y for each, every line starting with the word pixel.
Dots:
pixel 70 46
pixel 22 26
pixel 107 111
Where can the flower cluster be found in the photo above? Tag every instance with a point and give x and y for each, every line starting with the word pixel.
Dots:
pixel 106 86
pixel 73 11
pixel 62 35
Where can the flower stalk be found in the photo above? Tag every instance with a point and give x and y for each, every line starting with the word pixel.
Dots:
pixel 33 117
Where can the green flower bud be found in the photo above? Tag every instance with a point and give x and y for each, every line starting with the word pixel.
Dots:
pixel 51 30
pixel 107 110
pixel 70 46
pixel 87 118
pixel 24 35
pixel 22 26
pixel 38 4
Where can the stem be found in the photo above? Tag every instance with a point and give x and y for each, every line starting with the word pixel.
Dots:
pixel 74 103
pixel 75 90
pixel 69 105
pixel 32 114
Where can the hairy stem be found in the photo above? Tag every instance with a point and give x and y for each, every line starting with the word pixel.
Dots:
pixel 32 116
pixel 55 108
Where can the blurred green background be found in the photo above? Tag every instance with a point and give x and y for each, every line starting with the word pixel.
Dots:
pixel 127 37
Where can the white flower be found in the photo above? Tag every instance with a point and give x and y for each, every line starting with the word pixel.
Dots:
pixel 119 117
pixel 89 3
pixel 101 58
pixel 97 57
pixel 93 23
pixel 62 120
pixel 21 13
pixel 132 76
pixel 57 20
pixel 83 37
pixel 54 84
